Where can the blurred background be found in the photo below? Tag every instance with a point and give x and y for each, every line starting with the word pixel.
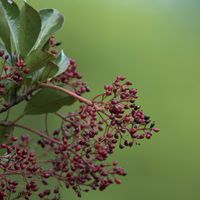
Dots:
pixel 156 44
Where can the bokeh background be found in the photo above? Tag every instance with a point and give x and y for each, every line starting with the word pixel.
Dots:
pixel 156 44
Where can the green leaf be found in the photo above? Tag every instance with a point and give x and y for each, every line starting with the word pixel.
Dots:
pixel 52 21
pixel 38 59
pixel 47 46
pixel 62 62
pixel 5 32
pixel 9 24
pixel 30 26
pixel 34 77
pixel 47 100
pixel 5 133
pixel 49 71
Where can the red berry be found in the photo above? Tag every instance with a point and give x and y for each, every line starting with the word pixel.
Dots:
pixel 14 139
pixel 26 71
pixel 1 53
pixel 6 68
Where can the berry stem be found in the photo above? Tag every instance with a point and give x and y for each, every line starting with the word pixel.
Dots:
pixel 55 87
pixel 18 100
pixel 39 133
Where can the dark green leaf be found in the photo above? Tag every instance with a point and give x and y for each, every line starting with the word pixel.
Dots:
pixel 5 31
pixel 30 26
pixel 38 59
pixel 49 71
pixel 47 101
pixel 47 46
pixel 9 24
pixel 62 62
pixel 34 77
pixel 52 21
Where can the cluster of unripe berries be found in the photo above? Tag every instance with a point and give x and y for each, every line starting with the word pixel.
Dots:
pixel 92 133
pixel 15 73
pixel 76 153
pixel 22 162
pixel 72 78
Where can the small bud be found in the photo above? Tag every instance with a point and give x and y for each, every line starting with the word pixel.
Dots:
pixel 27 71
pixel 118 181
pixel 156 130
pixel 2 53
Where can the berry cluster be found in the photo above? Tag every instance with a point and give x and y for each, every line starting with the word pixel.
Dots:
pixel 22 162
pixel 73 79
pixel 79 149
pixel 15 73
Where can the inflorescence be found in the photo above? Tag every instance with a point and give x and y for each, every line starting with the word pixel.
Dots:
pixel 77 150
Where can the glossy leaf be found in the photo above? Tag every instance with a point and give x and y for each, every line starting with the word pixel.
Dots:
pixel 62 62
pixel 38 59
pixel 52 21
pixel 30 26
pixel 47 101
pixel 5 31
pixel 9 24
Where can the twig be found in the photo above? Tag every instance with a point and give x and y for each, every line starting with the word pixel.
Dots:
pixel 81 99
pixel 18 100
pixel 39 133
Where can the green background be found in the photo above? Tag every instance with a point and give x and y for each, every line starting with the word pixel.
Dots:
pixel 156 44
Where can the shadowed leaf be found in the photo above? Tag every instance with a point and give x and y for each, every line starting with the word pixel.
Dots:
pixel 49 71
pixel 47 101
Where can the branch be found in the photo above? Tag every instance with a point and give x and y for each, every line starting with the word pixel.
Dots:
pixel 81 99
pixel 39 133
pixel 46 85
pixel 18 100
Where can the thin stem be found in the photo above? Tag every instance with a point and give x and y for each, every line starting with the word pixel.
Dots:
pixel 81 99
pixel 18 118
pixel 18 100
pixel 39 133
pixel 7 115
pixel 46 123
pixel 62 117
